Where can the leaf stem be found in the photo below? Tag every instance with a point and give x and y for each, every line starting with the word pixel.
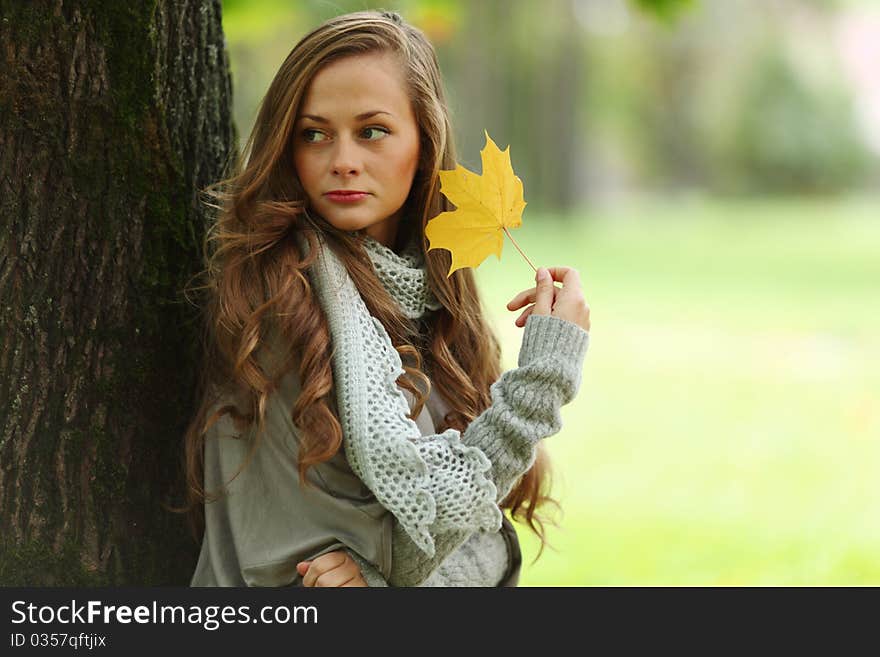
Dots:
pixel 504 228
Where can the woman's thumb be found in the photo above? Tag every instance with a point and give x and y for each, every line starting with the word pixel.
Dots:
pixel 543 292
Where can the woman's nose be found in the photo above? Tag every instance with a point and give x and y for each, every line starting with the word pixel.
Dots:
pixel 345 158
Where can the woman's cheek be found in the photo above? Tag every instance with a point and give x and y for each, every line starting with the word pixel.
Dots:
pixel 407 168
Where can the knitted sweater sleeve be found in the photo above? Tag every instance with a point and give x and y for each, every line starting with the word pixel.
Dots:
pixel 525 408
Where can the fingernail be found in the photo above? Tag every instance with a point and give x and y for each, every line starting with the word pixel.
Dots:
pixel 543 274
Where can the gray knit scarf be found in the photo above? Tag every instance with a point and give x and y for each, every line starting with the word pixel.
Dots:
pixel 432 485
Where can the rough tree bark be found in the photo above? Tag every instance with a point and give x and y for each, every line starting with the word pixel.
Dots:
pixel 112 116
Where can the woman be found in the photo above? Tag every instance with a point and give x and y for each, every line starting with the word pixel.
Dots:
pixel 327 451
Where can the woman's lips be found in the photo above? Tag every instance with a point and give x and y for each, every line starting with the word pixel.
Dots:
pixel 350 197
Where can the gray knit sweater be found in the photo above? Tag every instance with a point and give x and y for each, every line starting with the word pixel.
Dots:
pixel 251 537
pixel 525 408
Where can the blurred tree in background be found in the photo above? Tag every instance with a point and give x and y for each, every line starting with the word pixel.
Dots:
pixel 790 136
pixel 607 98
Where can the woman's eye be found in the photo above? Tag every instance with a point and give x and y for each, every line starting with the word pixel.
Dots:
pixel 308 132
pixel 379 130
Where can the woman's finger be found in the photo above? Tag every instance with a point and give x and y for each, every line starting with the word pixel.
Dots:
pixel 568 276
pixel 521 320
pixel 314 568
pixel 333 578
pixel 521 299
pixel 544 293
pixel 528 296
pixel 318 575
pixel 303 568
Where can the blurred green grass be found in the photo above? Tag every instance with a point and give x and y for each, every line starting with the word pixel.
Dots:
pixel 727 430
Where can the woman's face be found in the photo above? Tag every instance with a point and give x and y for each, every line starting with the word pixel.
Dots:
pixel 338 147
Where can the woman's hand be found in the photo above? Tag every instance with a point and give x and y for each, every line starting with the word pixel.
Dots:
pixel 331 569
pixel 566 302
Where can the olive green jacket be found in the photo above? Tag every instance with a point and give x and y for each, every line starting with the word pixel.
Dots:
pixel 265 524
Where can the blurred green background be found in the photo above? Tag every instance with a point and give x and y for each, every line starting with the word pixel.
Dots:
pixel 711 169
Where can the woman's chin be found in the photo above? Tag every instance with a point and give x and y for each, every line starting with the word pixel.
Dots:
pixel 349 221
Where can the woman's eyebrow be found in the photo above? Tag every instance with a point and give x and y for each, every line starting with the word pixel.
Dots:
pixel 359 117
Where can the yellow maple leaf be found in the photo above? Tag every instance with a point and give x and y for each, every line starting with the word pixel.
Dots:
pixel 487 206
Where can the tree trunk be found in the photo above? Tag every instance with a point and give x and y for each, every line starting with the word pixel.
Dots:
pixel 112 116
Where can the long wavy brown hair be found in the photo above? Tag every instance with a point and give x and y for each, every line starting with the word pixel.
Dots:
pixel 254 283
